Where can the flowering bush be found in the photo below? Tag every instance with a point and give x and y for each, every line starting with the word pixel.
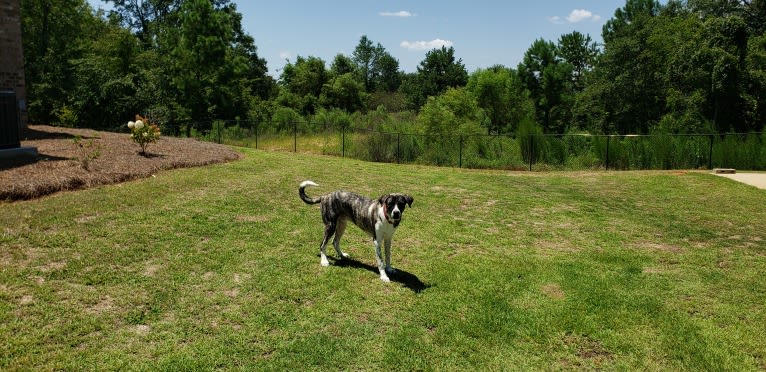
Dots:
pixel 143 132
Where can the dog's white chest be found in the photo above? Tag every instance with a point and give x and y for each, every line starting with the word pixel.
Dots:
pixel 385 229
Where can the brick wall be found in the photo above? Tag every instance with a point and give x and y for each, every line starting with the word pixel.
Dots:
pixel 12 54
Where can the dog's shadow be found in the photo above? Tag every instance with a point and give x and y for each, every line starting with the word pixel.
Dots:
pixel 405 278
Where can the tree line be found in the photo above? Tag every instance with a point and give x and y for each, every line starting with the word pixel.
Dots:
pixel 694 66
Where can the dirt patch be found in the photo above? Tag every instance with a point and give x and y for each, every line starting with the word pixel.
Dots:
pixel 59 164
pixel 660 247
pixel 588 349
pixel 553 291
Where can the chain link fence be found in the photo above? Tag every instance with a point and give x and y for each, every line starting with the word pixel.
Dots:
pixel 528 152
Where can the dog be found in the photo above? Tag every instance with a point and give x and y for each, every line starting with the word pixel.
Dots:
pixel 378 218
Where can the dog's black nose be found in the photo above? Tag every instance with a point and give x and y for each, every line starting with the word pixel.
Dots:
pixel 397 215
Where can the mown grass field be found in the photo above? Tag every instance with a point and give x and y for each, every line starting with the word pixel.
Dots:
pixel 217 268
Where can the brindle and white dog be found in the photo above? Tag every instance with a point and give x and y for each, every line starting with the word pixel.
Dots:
pixel 379 218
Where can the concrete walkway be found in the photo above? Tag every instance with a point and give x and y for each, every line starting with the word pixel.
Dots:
pixel 754 179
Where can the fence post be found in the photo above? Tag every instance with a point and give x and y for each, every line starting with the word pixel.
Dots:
pixel 343 142
pixel 295 136
pixel 531 150
pixel 256 135
pixel 460 161
pixel 607 152
pixel 710 153
pixel 398 146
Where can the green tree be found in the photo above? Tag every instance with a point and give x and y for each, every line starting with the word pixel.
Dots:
pixel 366 56
pixel 178 35
pixel 53 32
pixel 626 18
pixel 255 78
pixel 377 69
pixel 547 77
pixel 625 84
pixel 435 74
pixel 343 92
pixel 756 64
pixel 581 52
pixel 105 78
pixel 389 78
pixel 205 35
pixel 306 79
pixel 501 94
pixel 143 17
pixel 456 112
pixel 342 65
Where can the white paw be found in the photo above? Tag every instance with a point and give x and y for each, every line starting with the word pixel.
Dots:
pixel 344 255
pixel 324 262
pixel 385 279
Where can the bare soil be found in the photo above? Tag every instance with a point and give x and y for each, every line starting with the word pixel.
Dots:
pixel 60 164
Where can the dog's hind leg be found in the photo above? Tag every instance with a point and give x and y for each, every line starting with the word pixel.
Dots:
pixel 329 230
pixel 339 229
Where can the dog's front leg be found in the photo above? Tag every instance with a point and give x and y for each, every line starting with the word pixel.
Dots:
pixel 379 258
pixel 389 269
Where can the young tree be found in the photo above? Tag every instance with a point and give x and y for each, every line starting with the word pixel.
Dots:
pixel 455 112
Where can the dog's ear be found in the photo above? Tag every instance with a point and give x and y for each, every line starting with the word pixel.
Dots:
pixel 383 198
pixel 409 199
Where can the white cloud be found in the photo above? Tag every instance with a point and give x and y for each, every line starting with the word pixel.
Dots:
pixel 425 45
pixel 556 19
pixel 578 15
pixel 401 13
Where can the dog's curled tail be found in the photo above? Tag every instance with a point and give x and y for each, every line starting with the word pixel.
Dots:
pixel 302 192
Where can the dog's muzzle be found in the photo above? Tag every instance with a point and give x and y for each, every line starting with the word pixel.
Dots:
pixel 393 217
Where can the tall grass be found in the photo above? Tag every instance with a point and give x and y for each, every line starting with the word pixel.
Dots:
pixel 528 149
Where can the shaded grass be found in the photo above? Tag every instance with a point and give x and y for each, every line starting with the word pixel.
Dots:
pixel 217 267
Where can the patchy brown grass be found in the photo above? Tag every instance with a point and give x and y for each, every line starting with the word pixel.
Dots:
pixel 59 167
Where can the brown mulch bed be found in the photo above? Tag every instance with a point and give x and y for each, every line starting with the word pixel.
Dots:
pixel 58 166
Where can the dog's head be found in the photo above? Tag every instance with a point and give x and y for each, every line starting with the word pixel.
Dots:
pixel 394 204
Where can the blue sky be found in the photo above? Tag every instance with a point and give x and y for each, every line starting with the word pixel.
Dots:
pixel 483 32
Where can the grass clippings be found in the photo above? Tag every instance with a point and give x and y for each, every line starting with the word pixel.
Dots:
pixel 59 164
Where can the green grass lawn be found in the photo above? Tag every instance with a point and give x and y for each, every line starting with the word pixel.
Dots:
pixel 218 268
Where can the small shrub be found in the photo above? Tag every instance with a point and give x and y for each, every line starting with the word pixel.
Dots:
pixel 143 132
pixel 87 151
pixel 67 117
pixel 529 135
